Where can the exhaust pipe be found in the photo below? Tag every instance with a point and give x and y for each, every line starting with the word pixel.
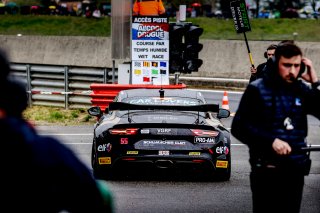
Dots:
pixel 164 164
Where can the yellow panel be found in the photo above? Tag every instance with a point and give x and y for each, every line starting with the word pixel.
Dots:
pixel 222 164
pixel 105 160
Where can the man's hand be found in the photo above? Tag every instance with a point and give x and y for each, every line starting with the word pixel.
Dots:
pixel 253 70
pixel 281 147
pixel 310 75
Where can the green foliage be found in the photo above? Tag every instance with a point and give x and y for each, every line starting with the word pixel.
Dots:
pixel 45 2
pixel 261 29
pixel 52 115
pixel 54 25
pixel 87 118
pixel 56 116
pixel 26 2
pixel 74 114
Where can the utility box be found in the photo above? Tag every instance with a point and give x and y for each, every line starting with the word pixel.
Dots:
pixel 124 72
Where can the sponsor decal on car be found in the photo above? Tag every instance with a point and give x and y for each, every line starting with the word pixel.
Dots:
pixel 105 160
pixel 204 140
pixel 152 144
pixel 144 131
pixel 222 150
pixel 132 152
pixel 222 164
pixel 194 153
pixel 104 147
pixel 162 118
pixel 109 146
pixel 164 101
pixel 124 141
pixel 161 152
pixel 164 131
pixel 156 142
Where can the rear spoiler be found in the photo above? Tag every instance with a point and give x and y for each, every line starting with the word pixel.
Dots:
pixel 198 108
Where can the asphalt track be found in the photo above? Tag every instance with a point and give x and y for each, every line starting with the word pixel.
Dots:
pixel 186 192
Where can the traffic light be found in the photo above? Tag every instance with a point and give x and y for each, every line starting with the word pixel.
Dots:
pixel 176 45
pixel 184 47
pixel 192 49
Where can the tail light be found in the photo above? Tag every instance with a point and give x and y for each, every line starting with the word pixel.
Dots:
pixel 198 161
pixel 128 131
pixel 128 159
pixel 205 133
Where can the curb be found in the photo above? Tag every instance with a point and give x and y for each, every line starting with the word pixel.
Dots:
pixel 213 83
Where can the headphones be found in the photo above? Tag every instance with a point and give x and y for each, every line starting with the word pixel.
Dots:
pixel 272 63
pixel 271 47
pixel 302 69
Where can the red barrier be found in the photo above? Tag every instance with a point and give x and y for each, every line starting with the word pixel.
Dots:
pixel 103 94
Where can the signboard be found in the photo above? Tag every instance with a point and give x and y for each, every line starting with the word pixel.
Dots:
pixel 150 50
pixel 240 16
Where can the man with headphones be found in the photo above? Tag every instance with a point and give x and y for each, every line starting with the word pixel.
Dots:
pixel 258 72
pixel 272 120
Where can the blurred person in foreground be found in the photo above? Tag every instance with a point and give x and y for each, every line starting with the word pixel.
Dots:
pixel 148 8
pixel 39 173
pixel 272 120
pixel 259 71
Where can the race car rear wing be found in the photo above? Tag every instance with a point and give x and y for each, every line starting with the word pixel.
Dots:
pixel 197 108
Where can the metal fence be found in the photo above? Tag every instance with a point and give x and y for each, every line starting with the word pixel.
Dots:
pixel 61 86
pixel 69 86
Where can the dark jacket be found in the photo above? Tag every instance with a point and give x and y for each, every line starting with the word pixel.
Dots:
pixel 259 73
pixel 42 175
pixel 265 105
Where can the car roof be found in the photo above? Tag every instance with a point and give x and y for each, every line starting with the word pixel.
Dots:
pixel 155 93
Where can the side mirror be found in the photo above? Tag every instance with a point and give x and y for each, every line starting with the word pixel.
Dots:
pixel 223 113
pixel 95 111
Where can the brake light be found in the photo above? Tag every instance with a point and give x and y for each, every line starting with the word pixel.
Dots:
pixel 128 131
pixel 201 132
pixel 198 161
pixel 128 159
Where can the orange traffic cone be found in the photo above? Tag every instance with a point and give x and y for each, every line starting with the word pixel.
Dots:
pixel 225 101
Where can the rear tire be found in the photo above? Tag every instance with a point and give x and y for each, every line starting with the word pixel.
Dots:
pixel 102 173
pixel 223 174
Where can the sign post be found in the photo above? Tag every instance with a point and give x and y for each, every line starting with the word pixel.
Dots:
pixel 241 21
pixel 150 50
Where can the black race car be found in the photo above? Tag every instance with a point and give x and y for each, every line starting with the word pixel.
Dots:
pixel 161 129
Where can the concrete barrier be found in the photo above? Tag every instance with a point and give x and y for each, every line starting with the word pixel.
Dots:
pixel 222 58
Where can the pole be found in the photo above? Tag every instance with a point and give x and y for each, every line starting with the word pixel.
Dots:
pixel 250 56
pixel 113 73
pixel 310 148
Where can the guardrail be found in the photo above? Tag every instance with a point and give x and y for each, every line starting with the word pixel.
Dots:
pixel 215 83
pixel 70 86
pixel 61 86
